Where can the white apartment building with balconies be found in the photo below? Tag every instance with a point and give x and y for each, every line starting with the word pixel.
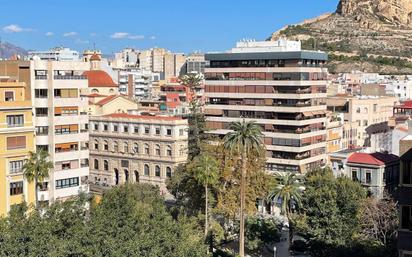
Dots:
pixel 61 123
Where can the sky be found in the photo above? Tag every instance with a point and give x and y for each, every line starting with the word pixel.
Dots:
pixel 179 25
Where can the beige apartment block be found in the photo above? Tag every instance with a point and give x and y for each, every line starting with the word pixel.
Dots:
pixel 363 110
pixel 132 148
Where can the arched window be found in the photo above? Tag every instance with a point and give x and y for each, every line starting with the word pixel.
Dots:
pixel 157 171
pixel 96 164
pixel 106 165
pixel 96 144
pixel 125 147
pixel 168 150
pixel 136 176
pixel 182 150
pixel 116 177
pixel 168 172
pixel 365 109
pixel 126 175
pixel 111 90
pixel 115 146
pixel 157 150
pixel 136 148
pixel 146 170
pixel 94 90
pixel 106 145
pixel 146 149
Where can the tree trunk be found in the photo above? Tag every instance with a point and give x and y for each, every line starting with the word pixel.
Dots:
pixel 35 193
pixel 290 233
pixel 242 205
pixel 206 212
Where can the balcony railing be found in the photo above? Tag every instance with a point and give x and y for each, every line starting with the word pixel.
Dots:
pixel 40 77
pixel 70 77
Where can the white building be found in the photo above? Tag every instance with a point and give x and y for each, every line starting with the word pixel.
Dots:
pixel 55 54
pixel 61 123
pixel 136 82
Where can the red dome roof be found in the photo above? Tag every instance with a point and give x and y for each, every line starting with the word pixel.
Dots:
pixel 99 78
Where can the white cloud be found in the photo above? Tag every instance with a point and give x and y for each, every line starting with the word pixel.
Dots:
pixel 49 34
pixel 80 41
pixel 70 34
pixel 136 37
pixel 153 37
pixel 119 35
pixel 125 35
pixel 14 28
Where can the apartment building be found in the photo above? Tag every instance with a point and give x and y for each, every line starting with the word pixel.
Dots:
pixel 174 65
pixel 16 141
pixel 364 110
pixel 56 54
pixel 134 148
pixel 136 82
pixel 282 88
pixel 195 63
pixel 61 122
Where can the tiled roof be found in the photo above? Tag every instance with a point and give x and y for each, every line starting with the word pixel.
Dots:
pixel 99 78
pixel 107 99
pixel 95 57
pixel 407 104
pixel 131 116
pixel 372 158
pixel 96 95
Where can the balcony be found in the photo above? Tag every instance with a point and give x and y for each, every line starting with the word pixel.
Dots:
pixel 69 77
pixel 40 77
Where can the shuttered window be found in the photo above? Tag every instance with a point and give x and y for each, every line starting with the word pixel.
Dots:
pixel 16 142
pixel 9 96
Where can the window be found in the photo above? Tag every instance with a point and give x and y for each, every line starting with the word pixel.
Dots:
pixel 146 149
pixel 169 132
pixel 105 127
pixel 15 166
pixel 136 129
pixel 146 170
pixel 368 177
pixel 16 188
pixel 66 129
pixel 406 217
pixel 125 147
pixel 157 171
pixel 9 96
pixel 125 129
pixel 42 130
pixel 124 163
pixel 354 175
pixel 66 165
pixel 157 130
pixel 168 150
pixel 66 93
pixel 126 175
pixel 15 120
pixel 146 130
pixel 42 112
pixel 375 107
pixel 406 173
pixel 106 165
pixel 40 93
pixel 168 172
pixel 96 145
pixel 136 148
pixel 106 145
pixel 181 132
pixel 96 164
pixel 68 182
pixel 115 146
pixel 96 126
pixel 365 122
pixel 115 128
pixel 182 150
pixel 157 150
pixel 358 110
pixel 16 142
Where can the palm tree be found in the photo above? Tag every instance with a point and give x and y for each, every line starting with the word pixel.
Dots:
pixel 245 139
pixel 289 192
pixel 206 173
pixel 37 168
pixel 191 81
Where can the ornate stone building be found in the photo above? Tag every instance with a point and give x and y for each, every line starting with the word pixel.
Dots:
pixel 133 148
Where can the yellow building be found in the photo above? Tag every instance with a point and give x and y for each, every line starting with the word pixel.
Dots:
pixel 16 140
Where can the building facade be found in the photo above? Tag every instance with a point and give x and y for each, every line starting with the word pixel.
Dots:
pixel 61 122
pixel 16 141
pixel 283 89
pixel 133 148
pixel 56 54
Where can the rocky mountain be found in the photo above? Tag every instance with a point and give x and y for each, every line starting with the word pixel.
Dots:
pixel 7 50
pixel 368 35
